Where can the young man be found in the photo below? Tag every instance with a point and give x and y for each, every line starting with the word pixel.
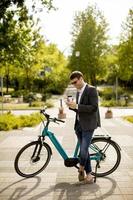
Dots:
pixel 87 120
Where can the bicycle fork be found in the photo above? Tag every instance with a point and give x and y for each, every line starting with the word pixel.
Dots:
pixel 36 153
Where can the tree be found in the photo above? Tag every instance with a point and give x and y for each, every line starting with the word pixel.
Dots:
pixel 52 65
pixel 89 38
pixel 111 62
pixel 125 52
pixel 5 4
pixel 17 36
pixel 24 54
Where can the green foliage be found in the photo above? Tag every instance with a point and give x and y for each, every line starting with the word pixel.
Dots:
pixel 28 56
pixel 112 67
pixel 5 4
pixel 37 104
pixel 125 53
pixel 108 97
pixel 55 72
pixel 31 120
pixel 16 41
pixel 9 121
pixel 108 103
pixel 89 38
pixel 46 96
pixel 49 104
pixel 59 81
pixel 109 93
pixel 126 60
pixel 112 103
pixel 129 118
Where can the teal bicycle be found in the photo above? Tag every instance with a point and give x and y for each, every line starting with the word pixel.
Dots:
pixel 34 157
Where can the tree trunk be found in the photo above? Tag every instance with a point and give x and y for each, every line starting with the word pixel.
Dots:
pixel 7 83
pixel 93 79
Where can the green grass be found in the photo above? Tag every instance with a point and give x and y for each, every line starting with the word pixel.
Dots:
pixel 25 106
pixel 129 118
pixel 9 90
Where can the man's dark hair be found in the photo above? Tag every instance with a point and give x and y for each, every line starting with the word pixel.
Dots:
pixel 76 74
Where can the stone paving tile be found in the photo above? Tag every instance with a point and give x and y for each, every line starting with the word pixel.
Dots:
pixel 126 190
pixel 113 197
pixel 15 188
pixel 128 197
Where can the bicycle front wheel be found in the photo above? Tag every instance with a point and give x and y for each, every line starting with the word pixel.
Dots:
pixel 32 159
pixel 109 156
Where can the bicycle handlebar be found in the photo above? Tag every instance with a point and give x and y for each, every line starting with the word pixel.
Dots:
pixel 49 118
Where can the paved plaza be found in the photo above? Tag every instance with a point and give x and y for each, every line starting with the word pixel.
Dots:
pixel 58 182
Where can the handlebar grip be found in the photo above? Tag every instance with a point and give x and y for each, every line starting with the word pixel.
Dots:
pixel 42 111
pixel 45 114
pixel 48 117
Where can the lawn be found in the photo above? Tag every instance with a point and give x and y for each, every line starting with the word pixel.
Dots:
pixel 24 106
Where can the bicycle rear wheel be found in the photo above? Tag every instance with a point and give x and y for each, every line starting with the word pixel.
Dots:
pixel 32 159
pixel 110 156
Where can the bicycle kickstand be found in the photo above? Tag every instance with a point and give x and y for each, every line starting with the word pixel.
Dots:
pixel 96 172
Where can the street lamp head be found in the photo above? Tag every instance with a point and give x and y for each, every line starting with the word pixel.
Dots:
pixel 77 53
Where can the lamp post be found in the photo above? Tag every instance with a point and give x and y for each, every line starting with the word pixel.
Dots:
pixel 77 54
pixel 116 68
pixel 116 90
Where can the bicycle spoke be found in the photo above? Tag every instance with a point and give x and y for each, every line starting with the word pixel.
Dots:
pixel 32 159
pixel 109 156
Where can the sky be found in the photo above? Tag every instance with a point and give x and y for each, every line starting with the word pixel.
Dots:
pixel 56 26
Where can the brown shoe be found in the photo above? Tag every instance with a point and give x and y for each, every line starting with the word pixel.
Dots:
pixel 81 176
pixel 89 180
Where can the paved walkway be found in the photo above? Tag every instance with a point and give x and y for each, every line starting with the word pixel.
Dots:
pixel 58 182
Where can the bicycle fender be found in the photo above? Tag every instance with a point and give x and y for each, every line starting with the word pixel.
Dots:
pixel 116 144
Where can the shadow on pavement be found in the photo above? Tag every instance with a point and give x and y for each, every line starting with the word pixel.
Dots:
pixel 61 190
pixel 21 191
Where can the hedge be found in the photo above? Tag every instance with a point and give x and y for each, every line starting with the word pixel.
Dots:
pixel 9 121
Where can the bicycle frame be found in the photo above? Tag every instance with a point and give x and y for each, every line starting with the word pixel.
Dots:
pixel 57 144
pixel 61 150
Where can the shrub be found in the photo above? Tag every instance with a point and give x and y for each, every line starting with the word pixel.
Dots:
pixel 108 97
pixel 46 96
pixel 29 97
pixel 129 118
pixel 37 104
pixel 49 104
pixel 18 93
pixel 29 120
pixel 108 103
pixel 9 121
pixel 109 93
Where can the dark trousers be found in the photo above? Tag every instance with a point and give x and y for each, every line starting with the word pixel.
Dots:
pixel 84 138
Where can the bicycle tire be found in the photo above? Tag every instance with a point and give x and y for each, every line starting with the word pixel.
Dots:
pixel 32 159
pixel 110 159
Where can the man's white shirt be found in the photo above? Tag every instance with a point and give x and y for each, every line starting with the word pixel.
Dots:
pixel 81 92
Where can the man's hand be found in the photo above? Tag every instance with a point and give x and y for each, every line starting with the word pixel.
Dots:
pixel 71 104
